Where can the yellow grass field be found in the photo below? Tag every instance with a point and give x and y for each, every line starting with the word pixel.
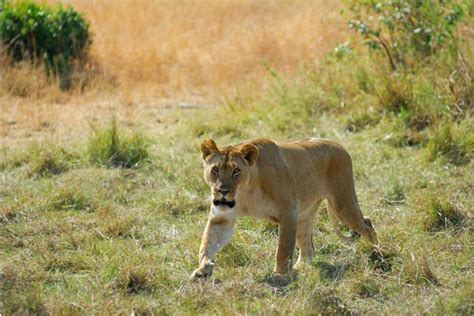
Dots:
pixel 205 47
pixel 156 54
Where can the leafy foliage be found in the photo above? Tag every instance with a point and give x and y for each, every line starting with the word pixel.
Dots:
pixel 406 30
pixel 56 35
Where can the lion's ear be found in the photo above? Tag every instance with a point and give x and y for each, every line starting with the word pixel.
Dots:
pixel 208 147
pixel 250 153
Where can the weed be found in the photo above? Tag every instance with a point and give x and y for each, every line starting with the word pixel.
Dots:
pixel 110 148
pixel 27 301
pixel 441 215
pixel 235 255
pixel 43 159
pixel 461 303
pixel 405 138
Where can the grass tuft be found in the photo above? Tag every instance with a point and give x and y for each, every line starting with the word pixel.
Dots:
pixel 442 215
pixel 457 150
pixel 120 227
pixel 366 288
pixel 135 280
pixel 69 262
pixel 324 301
pixel 110 148
pixel 70 199
pixel 416 269
pixel 361 121
pixel 395 195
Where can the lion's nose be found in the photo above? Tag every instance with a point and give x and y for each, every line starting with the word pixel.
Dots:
pixel 223 191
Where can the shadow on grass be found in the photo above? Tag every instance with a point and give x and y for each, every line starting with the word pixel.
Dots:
pixel 280 284
pixel 332 272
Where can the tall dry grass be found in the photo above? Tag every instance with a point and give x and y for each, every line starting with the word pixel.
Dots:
pixel 185 50
pixel 197 47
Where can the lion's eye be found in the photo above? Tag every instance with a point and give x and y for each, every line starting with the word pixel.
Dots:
pixel 215 170
pixel 236 171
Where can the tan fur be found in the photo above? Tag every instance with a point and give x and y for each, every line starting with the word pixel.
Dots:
pixel 284 182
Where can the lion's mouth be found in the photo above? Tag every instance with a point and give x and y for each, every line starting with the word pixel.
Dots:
pixel 224 202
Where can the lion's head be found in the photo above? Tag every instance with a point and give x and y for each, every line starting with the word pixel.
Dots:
pixel 226 171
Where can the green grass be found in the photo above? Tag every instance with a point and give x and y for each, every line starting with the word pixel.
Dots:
pixel 109 148
pixel 96 240
pixel 442 215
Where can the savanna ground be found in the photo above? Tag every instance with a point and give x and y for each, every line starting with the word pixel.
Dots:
pixel 104 217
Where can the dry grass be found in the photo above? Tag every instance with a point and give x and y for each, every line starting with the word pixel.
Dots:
pixel 148 56
pixel 198 48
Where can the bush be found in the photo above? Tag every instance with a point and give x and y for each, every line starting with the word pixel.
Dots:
pixel 406 30
pixel 57 35
pixel 107 147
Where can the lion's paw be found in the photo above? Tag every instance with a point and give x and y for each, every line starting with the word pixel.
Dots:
pixel 203 272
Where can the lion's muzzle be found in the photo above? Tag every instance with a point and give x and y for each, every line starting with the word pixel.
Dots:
pixel 224 202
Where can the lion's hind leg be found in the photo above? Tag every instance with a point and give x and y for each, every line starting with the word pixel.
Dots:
pixel 348 212
pixel 304 235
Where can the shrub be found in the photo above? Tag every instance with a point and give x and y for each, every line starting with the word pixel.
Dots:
pixel 56 35
pixel 406 30
pixel 107 147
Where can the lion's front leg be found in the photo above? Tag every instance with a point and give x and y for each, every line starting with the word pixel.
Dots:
pixel 217 234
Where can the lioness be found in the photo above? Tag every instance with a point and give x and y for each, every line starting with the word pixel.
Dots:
pixel 283 182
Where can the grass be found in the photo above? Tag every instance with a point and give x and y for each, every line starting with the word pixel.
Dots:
pixel 455 149
pixel 442 215
pixel 133 236
pixel 86 226
pixel 108 148
pixel 188 50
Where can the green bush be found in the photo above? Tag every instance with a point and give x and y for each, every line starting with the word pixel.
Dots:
pixel 56 35
pixel 107 147
pixel 406 31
